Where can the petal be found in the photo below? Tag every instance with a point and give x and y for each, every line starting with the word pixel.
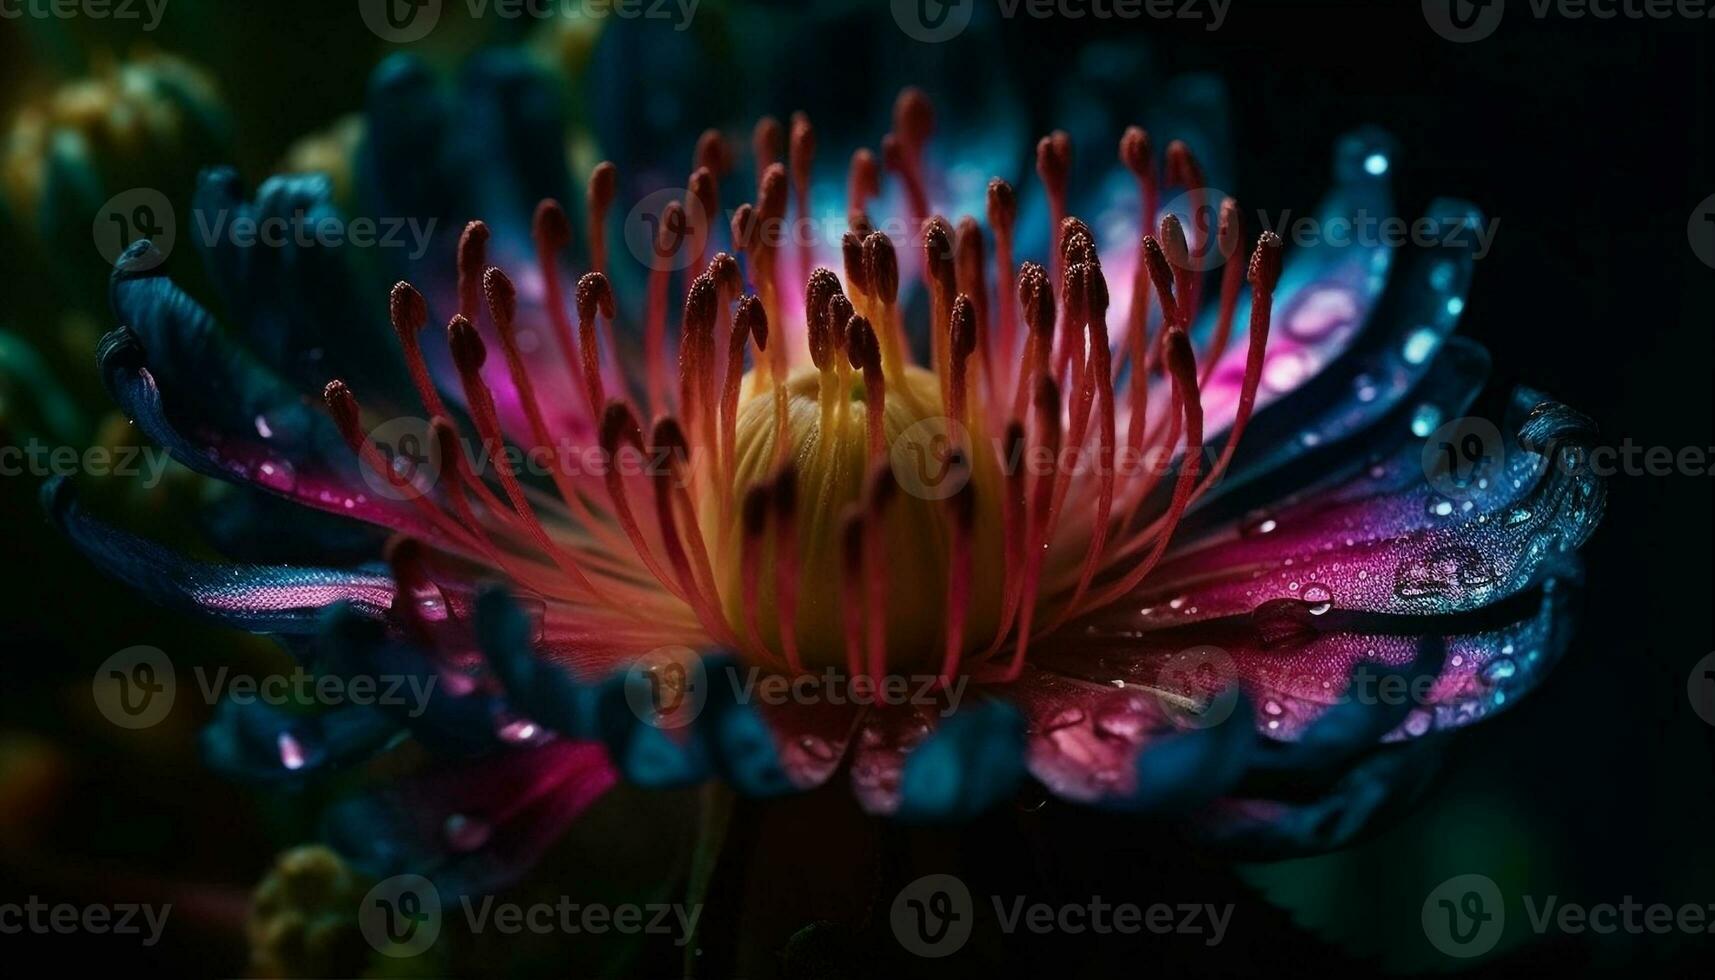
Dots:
pixel 219 411
pixel 259 598
pixel 1386 541
pixel 971 763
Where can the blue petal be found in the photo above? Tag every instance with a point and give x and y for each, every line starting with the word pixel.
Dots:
pixel 972 761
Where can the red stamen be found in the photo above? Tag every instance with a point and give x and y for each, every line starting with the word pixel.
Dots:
pixel 667 442
pixel 767 140
pixel 1047 436
pixel 619 429
pixel 801 154
pixel 785 500
pixel 879 495
pixel 863 180
pixel 865 354
pixel 655 321
pixel 410 314
pixel 594 296
pixel 962 506
pixel 702 205
pixel 603 186
pixel 472 260
pixel 552 232
pixel 1054 167
pixel 968 263
pixel 1231 241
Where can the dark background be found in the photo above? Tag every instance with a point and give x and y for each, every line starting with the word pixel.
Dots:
pixel 1589 142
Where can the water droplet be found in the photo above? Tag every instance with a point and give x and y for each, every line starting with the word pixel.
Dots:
pixel 277 475
pixel 1272 707
pixel 1425 420
pixel 1421 344
pixel 1439 506
pixel 1518 516
pixel 1177 602
pixel 519 730
pixel 1258 524
pixel 816 748
pixel 1417 722
pixel 1318 599
pixel 1501 669
pixel 263 429
pixel 291 753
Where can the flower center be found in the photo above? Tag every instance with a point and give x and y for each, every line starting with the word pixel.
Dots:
pixel 839 496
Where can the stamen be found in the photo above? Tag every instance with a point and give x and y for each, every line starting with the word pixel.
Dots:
pixel 865 354
pixel 1185 278
pixel 696 356
pixel 852 588
pixel 750 322
pixel 1139 158
pixel 902 150
pixel 473 259
pixel 968 264
pixel 1184 171
pixel 1048 436
pixel 878 496
pixel 1054 167
pixel 702 206
pixel 962 506
pixel 881 268
pixel 863 180
pixel 619 429
pixel 1230 239
pixel 409 313
pixel 1098 378
pixel 1264 274
pixel 603 185
pixel 594 295
pixel 962 337
pixel 347 416
pixel 1036 300
pixel 943 284
pixel 552 232
pixel 469 355
pixel 1182 368
pixel 667 442
pixel 712 152
pixel 1003 214
pixel 1015 530
pixel 801 154
pixel 766 141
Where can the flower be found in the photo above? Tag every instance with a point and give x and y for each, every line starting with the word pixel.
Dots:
pixel 1150 562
